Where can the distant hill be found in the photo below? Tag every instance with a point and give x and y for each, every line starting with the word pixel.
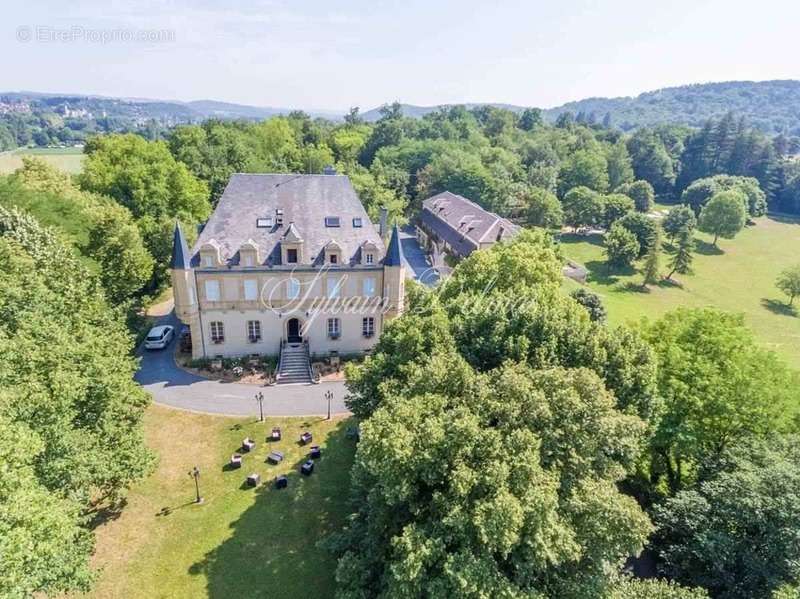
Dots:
pixel 772 106
pixel 161 110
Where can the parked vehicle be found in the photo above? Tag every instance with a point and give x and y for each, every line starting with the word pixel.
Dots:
pixel 159 337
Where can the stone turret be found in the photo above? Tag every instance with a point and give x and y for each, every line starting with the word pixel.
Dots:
pixel 183 288
pixel 394 276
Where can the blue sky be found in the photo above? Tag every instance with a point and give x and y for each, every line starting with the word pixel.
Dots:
pixel 345 53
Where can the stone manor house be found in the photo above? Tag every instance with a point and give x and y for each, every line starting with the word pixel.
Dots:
pixel 287 263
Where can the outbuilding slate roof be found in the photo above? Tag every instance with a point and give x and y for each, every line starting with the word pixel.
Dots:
pixel 305 201
pixel 462 223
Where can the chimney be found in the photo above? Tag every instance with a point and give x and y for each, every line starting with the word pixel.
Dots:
pixel 382 227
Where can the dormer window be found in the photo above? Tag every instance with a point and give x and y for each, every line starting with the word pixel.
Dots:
pixel 331 221
pixel 248 254
pixel 209 254
pixel 333 253
pixel 292 245
pixel 368 252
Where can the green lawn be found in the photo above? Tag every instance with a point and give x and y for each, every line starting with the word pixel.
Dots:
pixel 69 160
pixel 738 277
pixel 240 542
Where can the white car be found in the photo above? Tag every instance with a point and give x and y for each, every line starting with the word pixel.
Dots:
pixel 159 337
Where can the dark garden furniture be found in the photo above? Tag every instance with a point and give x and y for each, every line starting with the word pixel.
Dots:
pixel 275 457
pixel 281 482
pixel 316 452
pixel 275 435
pixel 307 468
pixel 248 444
pixel 305 438
pixel 236 460
pixel 253 480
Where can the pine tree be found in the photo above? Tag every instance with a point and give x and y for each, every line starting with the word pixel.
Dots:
pixel 652 260
pixel 682 255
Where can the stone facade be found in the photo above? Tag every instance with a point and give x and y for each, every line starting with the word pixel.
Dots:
pixel 247 297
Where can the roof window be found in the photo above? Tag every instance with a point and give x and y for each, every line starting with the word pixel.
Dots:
pixel 331 221
pixel 357 222
pixel 264 223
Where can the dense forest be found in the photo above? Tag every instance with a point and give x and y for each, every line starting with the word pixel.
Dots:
pixel 503 160
pixel 770 106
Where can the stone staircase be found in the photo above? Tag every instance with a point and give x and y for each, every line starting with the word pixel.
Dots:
pixel 295 366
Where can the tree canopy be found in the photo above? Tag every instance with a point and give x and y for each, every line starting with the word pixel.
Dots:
pixel 735 531
pixel 485 423
pixel 70 412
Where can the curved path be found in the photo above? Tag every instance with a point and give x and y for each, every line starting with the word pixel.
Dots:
pixel 174 387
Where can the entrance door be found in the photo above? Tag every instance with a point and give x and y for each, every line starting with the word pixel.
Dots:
pixel 293 331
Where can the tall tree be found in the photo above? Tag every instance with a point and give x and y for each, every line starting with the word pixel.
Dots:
pixel 651 161
pixel 678 219
pixel 719 387
pixel 583 207
pixel 617 205
pixel 621 246
pixel 652 261
pixel 620 167
pixel 145 178
pixel 682 253
pixel 724 215
pixel 789 282
pixel 735 532
pixel 70 413
pixel 641 192
pixel 584 168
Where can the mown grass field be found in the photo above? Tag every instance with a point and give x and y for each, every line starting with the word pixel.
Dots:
pixel 739 276
pixel 69 160
pixel 241 542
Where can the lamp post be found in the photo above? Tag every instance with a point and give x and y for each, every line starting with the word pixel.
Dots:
pixel 329 397
pixel 195 474
pixel 260 400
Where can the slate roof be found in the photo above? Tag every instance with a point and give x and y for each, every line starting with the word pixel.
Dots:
pixel 394 255
pixel 180 251
pixel 305 201
pixel 462 223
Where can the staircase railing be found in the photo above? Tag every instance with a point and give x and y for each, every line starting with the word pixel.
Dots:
pixel 280 361
pixel 312 374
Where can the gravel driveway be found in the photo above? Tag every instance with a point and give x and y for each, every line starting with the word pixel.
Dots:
pixel 174 387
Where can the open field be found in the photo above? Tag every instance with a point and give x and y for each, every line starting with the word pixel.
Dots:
pixel 69 160
pixel 738 277
pixel 240 542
